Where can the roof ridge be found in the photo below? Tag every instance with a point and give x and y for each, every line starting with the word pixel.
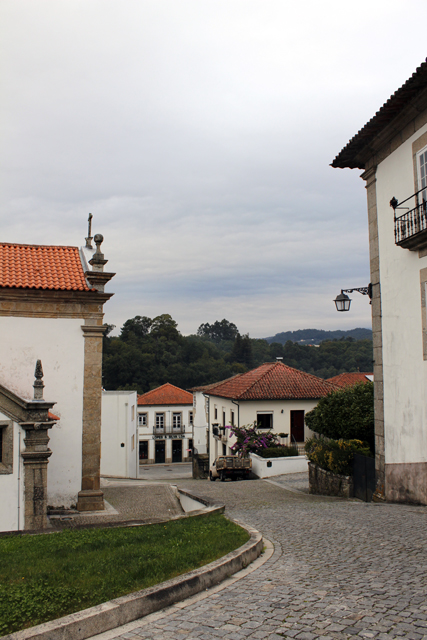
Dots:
pixel 42 246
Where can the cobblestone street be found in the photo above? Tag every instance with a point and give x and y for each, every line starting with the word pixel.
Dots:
pixel 339 569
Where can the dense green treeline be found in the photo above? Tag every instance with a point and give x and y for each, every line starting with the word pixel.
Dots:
pixel 149 352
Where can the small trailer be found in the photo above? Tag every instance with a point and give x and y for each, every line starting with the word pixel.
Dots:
pixel 230 467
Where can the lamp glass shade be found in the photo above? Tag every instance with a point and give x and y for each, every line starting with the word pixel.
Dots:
pixel 342 302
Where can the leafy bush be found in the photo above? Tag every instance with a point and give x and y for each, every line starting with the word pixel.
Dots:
pixel 347 413
pixel 277 452
pixel 335 455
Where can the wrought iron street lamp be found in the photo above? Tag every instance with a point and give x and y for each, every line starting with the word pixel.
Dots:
pixel 343 302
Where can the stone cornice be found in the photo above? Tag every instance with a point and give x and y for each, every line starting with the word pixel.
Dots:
pixel 94 330
pixel 20 410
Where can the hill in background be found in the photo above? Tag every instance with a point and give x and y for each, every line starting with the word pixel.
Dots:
pixel 316 336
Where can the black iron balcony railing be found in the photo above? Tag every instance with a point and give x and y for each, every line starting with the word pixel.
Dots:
pixel 410 228
pixel 170 429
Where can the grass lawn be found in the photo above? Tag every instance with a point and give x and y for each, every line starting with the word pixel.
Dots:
pixel 43 577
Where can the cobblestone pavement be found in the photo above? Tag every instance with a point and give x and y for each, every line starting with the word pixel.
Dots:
pixel 340 569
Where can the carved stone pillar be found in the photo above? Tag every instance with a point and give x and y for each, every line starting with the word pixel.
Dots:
pixel 370 177
pixel 36 456
pixel 91 498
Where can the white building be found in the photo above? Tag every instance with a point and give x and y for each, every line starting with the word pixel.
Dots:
pixel 392 150
pixel 165 425
pixel 119 434
pixel 51 309
pixel 273 395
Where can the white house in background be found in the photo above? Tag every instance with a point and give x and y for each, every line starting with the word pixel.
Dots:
pixel 165 425
pixel 51 309
pixel 392 150
pixel 273 395
pixel 119 434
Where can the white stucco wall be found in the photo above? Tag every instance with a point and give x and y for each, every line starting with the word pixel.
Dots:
pixel 12 486
pixel 200 422
pixel 245 412
pixel 119 427
pixel 405 371
pixel 279 466
pixel 59 344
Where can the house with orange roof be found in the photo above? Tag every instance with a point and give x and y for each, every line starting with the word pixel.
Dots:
pixel 273 395
pixel 165 425
pixel 350 379
pixel 391 152
pixel 51 310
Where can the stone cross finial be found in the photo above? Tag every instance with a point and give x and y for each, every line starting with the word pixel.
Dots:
pixel 89 232
pixel 38 383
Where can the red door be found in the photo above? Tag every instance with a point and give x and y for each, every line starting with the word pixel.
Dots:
pixel 297 426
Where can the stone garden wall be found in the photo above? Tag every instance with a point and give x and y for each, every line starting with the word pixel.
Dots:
pixel 326 483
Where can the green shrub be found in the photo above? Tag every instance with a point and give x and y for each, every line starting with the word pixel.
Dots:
pixel 335 455
pixel 347 413
pixel 277 452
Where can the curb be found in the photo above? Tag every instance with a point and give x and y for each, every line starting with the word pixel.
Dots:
pixel 120 611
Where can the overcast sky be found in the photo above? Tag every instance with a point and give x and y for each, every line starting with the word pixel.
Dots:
pixel 199 134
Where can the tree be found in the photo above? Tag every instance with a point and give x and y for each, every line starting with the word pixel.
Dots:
pixel 218 331
pixel 347 414
pixel 137 327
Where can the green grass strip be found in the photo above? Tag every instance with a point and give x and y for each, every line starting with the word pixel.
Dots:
pixel 43 577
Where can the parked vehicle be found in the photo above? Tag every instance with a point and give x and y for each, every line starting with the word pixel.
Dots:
pixel 230 467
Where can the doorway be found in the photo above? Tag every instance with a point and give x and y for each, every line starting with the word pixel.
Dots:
pixel 159 452
pixel 143 450
pixel 297 426
pixel 176 450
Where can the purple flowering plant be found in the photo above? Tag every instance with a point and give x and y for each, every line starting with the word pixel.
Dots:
pixel 250 440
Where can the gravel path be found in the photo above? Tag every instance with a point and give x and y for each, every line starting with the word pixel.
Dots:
pixel 340 568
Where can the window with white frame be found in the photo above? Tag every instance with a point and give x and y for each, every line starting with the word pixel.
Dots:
pixel 142 419
pixel 232 418
pixel 160 421
pixel 176 421
pixel 190 418
pixel 264 419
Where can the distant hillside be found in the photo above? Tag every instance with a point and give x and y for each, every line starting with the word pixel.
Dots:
pixel 316 336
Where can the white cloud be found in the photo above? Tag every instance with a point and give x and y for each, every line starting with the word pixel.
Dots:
pixel 199 135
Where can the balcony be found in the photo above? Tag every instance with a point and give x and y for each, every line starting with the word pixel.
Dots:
pixel 410 229
pixel 169 430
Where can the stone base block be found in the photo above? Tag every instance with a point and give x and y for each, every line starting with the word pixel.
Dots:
pixel 406 482
pixel 90 500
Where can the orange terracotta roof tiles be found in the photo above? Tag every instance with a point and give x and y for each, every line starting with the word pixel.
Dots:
pixel 273 381
pixel 166 394
pixel 350 379
pixel 28 266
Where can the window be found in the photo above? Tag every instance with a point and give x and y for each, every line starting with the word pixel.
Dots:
pixel 264 420
pixel 232 418
pixel 223 418
pixel 224 449
pixel 215 413
pixel 142 419
pixel 176 421
pixel 190 418
pixel 6 447
pixel 160 421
